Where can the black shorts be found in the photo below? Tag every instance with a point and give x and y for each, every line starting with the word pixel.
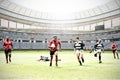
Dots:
pixel 114 50
pixel 8 51
pixel 52 52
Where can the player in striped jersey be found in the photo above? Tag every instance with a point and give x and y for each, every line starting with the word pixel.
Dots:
pixel 78 49
pixel 98 49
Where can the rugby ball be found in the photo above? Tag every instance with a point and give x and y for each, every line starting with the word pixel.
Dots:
pixel 52 45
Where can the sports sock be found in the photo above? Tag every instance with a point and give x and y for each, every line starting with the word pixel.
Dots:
pixel 6 60
pixel 50 64
pixel 82 59
pixel 80 63
pixel 114 55
pixel 6 55
pixel 10 57
pixel 51 56
pixel 56 60
pixel 95 55
pixel 117 55
pixel 100 59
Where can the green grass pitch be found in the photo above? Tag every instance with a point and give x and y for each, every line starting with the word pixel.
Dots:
pixel 24 66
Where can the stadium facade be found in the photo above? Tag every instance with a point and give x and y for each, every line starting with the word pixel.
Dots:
pixel 30 29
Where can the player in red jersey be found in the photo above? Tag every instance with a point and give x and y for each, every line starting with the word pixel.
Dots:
pixel 7 44
pixel 53 45
pixel 114 50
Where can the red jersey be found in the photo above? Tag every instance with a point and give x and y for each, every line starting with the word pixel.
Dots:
pixel 55 43
pixel 7 44
pixel 114 46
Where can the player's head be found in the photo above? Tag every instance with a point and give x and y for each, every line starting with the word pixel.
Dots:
pixel 99 41
pixel 41 57
pixel 7 39
pixel 55 37
pixel 77 39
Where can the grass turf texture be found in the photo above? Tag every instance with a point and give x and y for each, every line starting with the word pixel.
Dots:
pixel 25 66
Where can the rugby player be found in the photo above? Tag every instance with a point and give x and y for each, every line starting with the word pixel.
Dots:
pixel 7 44
pixel 78 49
pixel 98 49
pixel 53 45
pixel 114 50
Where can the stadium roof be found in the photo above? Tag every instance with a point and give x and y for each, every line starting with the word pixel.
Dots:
pixel 60 6
pixel 60 10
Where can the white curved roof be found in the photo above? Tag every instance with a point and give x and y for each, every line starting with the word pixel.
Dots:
pixel 56 6
pixel 61 10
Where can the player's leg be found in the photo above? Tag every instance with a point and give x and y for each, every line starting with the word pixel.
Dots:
pixel 117 54
pixel 51 57
pixel 56 58
pixel 95 53
pixel 9 55
pixel 78 57
pixel 82 58
pixel 6 55
pixel 114 54
pixel 100 57
pixel 90 51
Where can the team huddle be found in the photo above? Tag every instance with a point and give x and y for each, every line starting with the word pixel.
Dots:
pixel 55 45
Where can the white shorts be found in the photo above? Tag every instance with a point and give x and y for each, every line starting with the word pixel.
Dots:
pixel 97 51
pixel 79 51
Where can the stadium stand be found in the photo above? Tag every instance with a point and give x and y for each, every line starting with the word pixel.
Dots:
pixel 30 29
pixel 24 40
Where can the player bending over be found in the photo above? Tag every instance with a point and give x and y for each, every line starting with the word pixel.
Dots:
pixel 53 45
pixel 114 50
pixel 43 58
pixel 7 44
pixel 98 49
pixel 78 49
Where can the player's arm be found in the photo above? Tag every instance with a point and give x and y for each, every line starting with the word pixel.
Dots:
pixel 60 45
pixel 111 46
pixel 95 46
pixel 12 45
pixel 116 46
pixel 4 45
pixel 74 49
pixel 83 46
pixel 49 45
